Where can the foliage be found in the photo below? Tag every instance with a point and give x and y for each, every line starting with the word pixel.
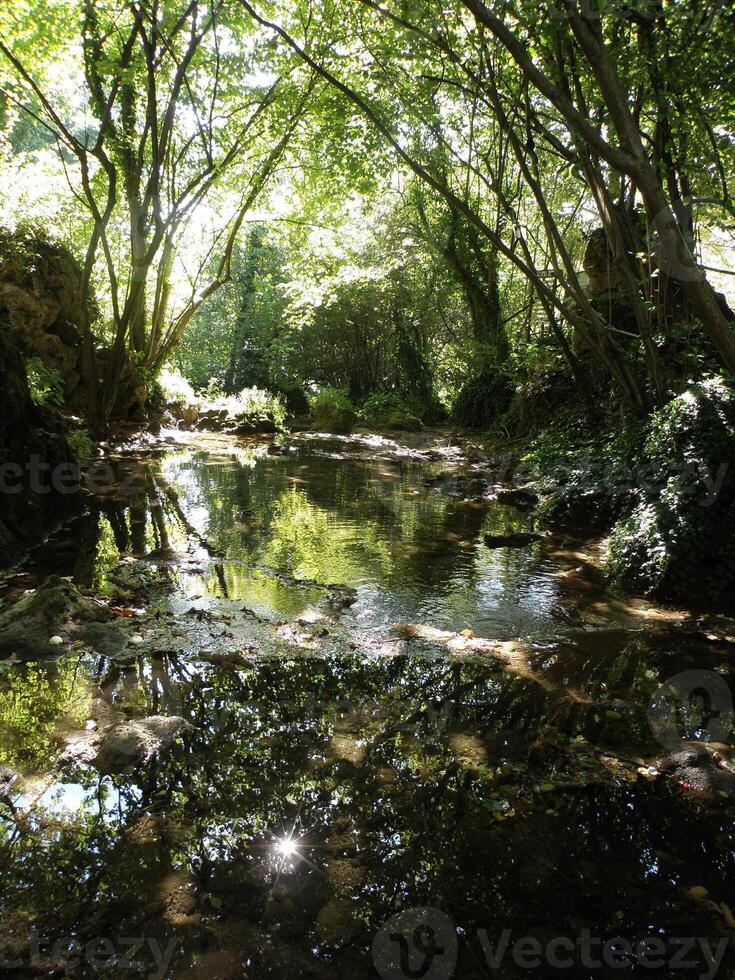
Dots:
pixel 252 405
pixel 80 444
pixel 674 539
pixel 175 388
pixel 515 214
pixel 233 341
pixel 585 481
pixel 389 410
pixel 152 194
pixel 332 410
pixel 46 384
pixel 663 486
pixel 482 401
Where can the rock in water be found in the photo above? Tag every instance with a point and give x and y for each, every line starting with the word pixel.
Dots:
pixel 522 497
pixel 32 627
pixel 125 745
pixel 343 599
pixel 701 774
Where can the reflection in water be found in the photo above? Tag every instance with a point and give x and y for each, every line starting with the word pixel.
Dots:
pixel 317 792
pixel 411 552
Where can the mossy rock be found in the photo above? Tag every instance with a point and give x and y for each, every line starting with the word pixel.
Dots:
pixel 56 611
pixel 399 422
pixel 335 418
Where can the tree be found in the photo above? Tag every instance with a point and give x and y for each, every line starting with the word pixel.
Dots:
pixel 175 113
pixel 569 108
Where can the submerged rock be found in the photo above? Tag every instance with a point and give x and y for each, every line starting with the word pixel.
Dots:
pixel 124 745
pixel 343 599
pixel 462 642
pixel 522 497
pixel 701 773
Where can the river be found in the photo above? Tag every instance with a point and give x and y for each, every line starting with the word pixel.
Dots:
pixel 383 716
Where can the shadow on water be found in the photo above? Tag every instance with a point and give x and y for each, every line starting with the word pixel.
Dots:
pixel 335 774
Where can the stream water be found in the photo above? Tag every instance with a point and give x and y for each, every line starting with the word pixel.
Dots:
pixel 383 715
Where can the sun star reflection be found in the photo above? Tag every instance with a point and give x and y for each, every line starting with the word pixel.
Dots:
pixel 287 848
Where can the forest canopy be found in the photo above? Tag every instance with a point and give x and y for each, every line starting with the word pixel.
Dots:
pixel 447 205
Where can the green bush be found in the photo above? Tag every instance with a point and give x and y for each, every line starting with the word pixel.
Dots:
pixel 80 445
pixel 388 410
pixel 175 388
pixel 332 410
pixel 253 409
pixel 678 536
pixel 664 488
pixel 45 383
pixel 585 484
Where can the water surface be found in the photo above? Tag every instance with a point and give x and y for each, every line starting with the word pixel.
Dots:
pixel 334 773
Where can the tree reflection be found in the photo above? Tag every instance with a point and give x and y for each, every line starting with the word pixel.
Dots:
pixel 191 847
pixel 311 798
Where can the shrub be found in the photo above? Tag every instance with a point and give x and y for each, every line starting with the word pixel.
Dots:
pixel 678 535
pixel 256 406
pixel 172 391
pixel 45 383
pixel 176 389
pixel 387 409
pixel 332 410
pixel 590 484
pixel 80 445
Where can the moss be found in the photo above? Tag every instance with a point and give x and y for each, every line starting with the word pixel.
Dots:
pixel 387 410
pixel 332 411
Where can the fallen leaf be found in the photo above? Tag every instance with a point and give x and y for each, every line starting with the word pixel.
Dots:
pixel 121 611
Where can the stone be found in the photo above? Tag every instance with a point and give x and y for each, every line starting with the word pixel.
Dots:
pixel 701 774
pixel 124 745
pixel 522 497
pixel 43 621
